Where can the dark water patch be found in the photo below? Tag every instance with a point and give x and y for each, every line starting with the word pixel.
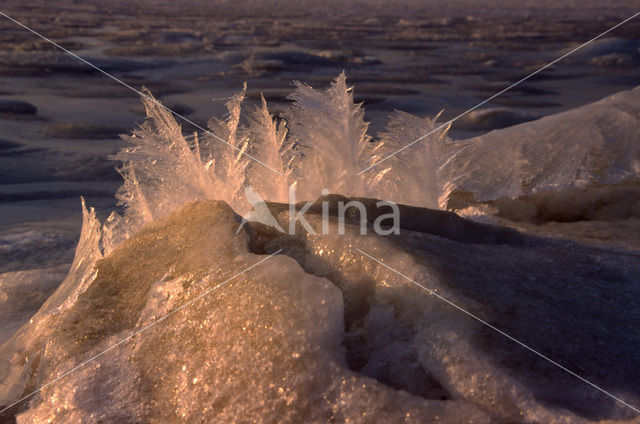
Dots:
pixel 180 37
pixel 615 60
pixel 271 96
pixel 21 151
pixel 357 78
pixel 7 144
pixel 157 49
pixel 369 100
pixel 508 78
pixel 39 165
pixel 17 107
pixel 92 92
pixel 45 249
pixel 71 130
pixel 523 103
pixel 49 195
pixel 57 63
pixel 174 107
pixel 492 88
pixel 604 47
pixel 385 90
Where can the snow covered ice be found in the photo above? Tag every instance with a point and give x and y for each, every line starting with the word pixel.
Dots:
pixel 321 333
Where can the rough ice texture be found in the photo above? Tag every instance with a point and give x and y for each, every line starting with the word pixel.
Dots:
pixel 606 215
pixel 322 334
pixel 325 334
pixel 267 347
pixel 557 297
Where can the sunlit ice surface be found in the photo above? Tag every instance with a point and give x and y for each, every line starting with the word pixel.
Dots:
pixel 320 333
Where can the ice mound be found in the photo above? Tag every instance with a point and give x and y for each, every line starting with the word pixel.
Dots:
pixel 557 297
pixel 266 347
pixel 321 333
pixel 595 143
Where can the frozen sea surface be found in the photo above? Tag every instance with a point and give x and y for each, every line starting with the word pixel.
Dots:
pixel 321 333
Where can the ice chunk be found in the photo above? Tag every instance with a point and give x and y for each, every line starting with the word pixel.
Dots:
pixel 267 347
pixel 326 334
pixel 556 297
pixel 595 143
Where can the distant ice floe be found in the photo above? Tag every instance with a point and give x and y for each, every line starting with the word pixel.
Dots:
pixel 609 51
pixel 493 118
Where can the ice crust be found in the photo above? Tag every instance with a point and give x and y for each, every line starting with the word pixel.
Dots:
pixel 321 334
